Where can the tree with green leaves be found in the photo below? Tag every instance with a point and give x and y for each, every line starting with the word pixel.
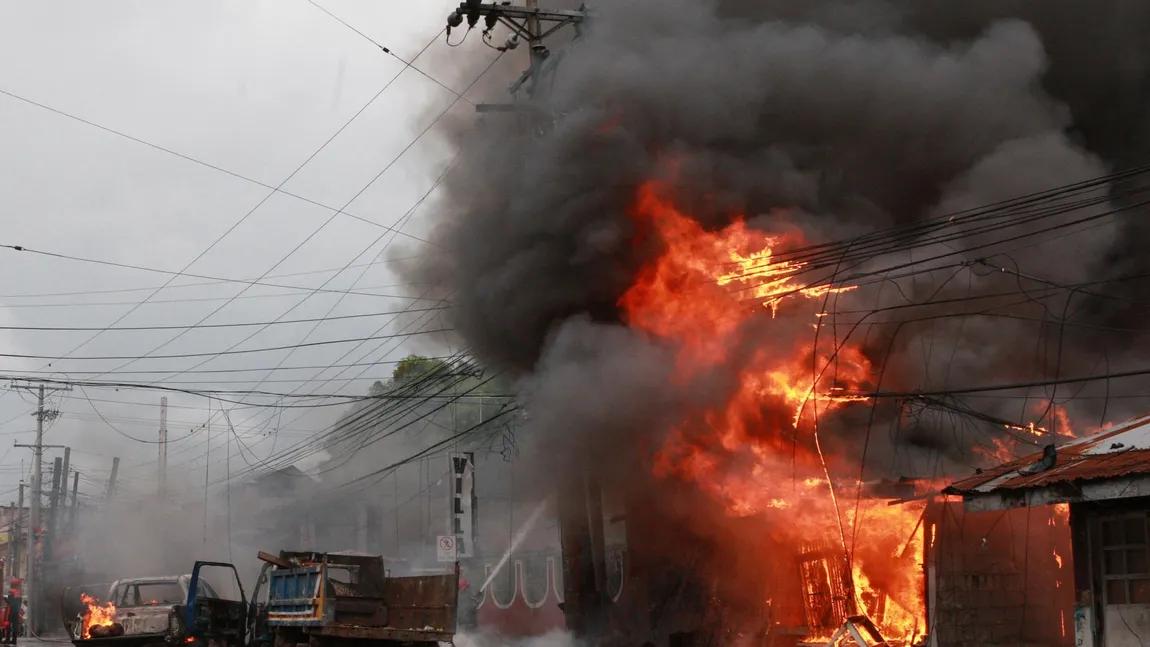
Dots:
pixel 455 401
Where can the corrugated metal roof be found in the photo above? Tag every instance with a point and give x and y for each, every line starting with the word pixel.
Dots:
pixel 1119 451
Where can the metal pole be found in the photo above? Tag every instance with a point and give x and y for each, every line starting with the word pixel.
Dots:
pixel 112 479
pixel 37 489
pixel 50 533
pixel 58 520
pixel 162 476
pixel 34 526
pixel 75 499
pixel 207 469
pixel 9 565
pixel 59 479
pixel 16 570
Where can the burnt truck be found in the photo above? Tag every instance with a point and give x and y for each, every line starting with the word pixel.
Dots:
pixel 161 611
pixel 348 599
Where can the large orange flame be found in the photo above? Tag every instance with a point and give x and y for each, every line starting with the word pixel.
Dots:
pixel 97 614
pixel 699 296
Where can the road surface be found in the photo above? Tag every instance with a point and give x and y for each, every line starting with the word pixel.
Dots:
pixel 47 641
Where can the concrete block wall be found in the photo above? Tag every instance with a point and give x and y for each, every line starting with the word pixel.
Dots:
pixel 998 582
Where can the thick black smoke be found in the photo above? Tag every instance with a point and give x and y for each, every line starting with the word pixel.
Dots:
pixel 854 116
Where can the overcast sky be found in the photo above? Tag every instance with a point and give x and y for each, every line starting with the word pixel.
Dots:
pixel 255 88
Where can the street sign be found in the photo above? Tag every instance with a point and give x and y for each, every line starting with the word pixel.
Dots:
pixel 462 520
pixel 445 548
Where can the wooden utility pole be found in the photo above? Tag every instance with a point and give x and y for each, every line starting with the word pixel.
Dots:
pixel 72 509
pixel 42 415
pixel 34 527
pixel 162 465
pixel 58 479
pixel 9 565
pixel 58 520
pixel 19 534
pixel 112 479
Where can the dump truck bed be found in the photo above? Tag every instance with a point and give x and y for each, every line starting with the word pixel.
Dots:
pixel 350 596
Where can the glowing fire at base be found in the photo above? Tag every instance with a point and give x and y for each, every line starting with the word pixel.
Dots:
pixel 757 453
pixel 96 615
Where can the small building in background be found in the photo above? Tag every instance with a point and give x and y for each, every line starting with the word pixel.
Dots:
pixel 1102 483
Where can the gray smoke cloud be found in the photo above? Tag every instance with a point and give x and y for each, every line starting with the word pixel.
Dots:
pixel 853 117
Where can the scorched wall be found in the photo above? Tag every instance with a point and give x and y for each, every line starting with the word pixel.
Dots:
pixel 999 578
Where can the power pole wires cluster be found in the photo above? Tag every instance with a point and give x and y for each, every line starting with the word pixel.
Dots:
pixel 528 23
pixel 42 415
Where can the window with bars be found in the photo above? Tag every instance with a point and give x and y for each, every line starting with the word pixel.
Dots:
pixel 1125 562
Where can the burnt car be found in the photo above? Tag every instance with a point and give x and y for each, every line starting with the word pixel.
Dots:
pixel 165 610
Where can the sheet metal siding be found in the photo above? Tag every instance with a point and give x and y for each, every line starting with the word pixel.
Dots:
pixel 294 597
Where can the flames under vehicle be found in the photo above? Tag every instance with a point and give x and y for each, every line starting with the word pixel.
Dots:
pixel 165 610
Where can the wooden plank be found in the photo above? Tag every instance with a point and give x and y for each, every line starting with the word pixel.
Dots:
pixel 274 560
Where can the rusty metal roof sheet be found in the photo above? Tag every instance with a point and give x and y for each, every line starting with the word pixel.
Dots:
pixel 1119 451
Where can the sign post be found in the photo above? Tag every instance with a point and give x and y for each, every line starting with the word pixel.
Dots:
pixel 445 548
pixel 463 520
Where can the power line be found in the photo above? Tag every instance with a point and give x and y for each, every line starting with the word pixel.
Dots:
pixel 1006 387
pixel 359 293
pixel 135 358
pixel 419 203
pixel 205 283
pixel 443 362
pixel 388 51
pixel 253 210
pixel 214 279
pixel 228 370
pixel 314 233
pixel 241 324
pixel 373 422
pixel 275 189
pixel 414 208
pixel 445 375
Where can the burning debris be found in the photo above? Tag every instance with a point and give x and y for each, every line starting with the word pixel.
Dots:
pixel 99 619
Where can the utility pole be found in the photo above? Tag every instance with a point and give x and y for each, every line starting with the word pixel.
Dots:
pixel 54 496
pixel 162 476
pixel 42 415
pixel 72 510
pixel 58 520
pixel 579 497
pixel 35 531
pixel 527 23
pixel 19 534
pixel 9 563
pixel 207 470
pixel 34 527
pixel 112 479
pixel 49 534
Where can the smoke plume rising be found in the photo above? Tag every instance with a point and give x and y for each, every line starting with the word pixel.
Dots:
pixel 823 121
pixel 849 116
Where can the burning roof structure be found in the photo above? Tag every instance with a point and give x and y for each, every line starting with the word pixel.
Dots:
pixel 1110 464
pixel 1102 484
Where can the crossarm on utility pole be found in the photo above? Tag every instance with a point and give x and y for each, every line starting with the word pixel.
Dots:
pixel 527 23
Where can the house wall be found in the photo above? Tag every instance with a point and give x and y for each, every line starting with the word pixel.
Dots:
pixel 1112 547
pixel 996 578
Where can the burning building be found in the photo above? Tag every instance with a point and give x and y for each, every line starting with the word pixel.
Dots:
pixel 751 260
pixel 1101 483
